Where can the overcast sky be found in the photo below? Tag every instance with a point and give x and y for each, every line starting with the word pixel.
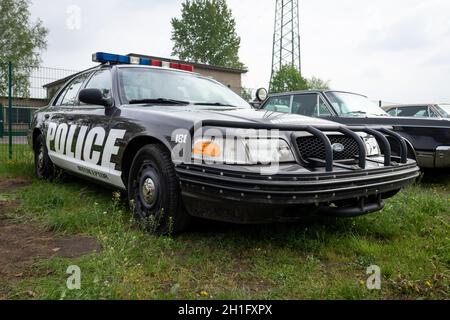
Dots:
pixel 396 51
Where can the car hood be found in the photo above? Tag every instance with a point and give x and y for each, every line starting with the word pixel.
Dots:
pixel 196 114
pixel 396 121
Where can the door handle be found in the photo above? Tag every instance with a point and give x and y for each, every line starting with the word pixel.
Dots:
pixel 47 116
pixel 70 118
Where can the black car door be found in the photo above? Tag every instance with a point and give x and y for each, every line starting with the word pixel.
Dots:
pixel 89 136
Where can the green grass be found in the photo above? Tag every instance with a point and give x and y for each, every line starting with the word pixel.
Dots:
pixel 315 259
pixel 20 153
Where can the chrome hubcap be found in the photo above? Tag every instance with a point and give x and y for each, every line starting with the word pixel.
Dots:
pixel 149 191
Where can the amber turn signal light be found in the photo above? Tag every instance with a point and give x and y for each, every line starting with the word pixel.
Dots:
pixel 207 148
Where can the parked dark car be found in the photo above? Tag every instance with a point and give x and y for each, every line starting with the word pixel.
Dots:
pixel 430 138
pixel 184 145
pixel 419 110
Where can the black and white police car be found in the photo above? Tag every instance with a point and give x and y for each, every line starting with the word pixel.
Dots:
pixel 183 145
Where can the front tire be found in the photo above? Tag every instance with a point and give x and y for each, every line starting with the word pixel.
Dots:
pixel 154 191
pixel 44 167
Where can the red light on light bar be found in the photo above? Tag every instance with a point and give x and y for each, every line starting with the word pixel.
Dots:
pixel 156 63
pixel 186 67
pixel 172 65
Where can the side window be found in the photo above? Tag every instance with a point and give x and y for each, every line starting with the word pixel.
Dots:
pixel 393 112
pixel 60 97
pixel 422 114
pixel 279 104
pixel 69 95
pixel 323 110
pixel 419 112
pixel 101 80
pixel 306 105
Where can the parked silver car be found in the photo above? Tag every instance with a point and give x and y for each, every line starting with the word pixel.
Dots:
pixel 419 110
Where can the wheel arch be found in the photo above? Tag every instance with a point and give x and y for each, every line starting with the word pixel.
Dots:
pixel 36 133
pixel 411 151
pixel 132 149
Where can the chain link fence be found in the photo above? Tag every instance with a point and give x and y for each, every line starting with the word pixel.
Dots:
pixel 22 92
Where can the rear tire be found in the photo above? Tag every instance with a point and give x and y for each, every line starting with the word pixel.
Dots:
pixel 44 167
pixel 154 191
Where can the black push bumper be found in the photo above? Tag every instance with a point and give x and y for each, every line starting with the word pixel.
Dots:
pixel 241 194
pixel 245 197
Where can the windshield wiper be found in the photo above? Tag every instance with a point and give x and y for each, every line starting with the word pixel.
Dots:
pixel 158 101
pixel 364 113
pixel 219 104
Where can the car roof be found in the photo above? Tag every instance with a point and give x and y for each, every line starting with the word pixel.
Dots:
pixel 409 105
pixel 313 91
pixel 152 67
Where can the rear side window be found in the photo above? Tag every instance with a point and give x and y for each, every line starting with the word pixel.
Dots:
pixel 419 112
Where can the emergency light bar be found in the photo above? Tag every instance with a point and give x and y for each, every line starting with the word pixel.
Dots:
pixel 103 57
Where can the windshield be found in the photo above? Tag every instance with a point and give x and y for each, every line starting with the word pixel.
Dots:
pixel 147 84
pixel 354 105
pixel 446 108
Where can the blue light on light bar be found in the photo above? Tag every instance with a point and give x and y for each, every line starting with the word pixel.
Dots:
pixel 146 62
pixel 103 57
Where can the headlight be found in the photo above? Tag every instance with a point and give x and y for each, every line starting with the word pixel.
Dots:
pixel 372 146
pixel 242 151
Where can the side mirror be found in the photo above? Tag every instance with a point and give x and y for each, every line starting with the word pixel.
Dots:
pixel 261 94
pixel 95 97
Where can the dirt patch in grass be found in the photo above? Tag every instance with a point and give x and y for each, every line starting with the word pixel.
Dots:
pixel 21 245
pixel 11 185
pixel 6 207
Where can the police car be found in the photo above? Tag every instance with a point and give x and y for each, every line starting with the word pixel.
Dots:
pixel 182 145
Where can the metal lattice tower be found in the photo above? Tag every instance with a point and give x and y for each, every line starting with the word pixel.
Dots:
pixel 286 37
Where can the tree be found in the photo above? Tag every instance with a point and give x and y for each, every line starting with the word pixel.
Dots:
pixel 21 42
pixel 246 94
pixel 317 83
pixel 206 33
pixel 288 79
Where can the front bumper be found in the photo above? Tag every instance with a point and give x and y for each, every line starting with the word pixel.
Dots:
pixel 443 157
pixel 243 195
pixel 439 159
